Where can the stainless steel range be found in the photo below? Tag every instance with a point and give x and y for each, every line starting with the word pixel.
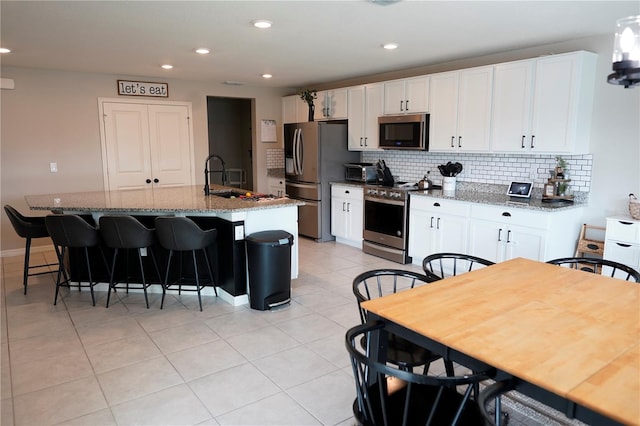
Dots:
pixel 386 221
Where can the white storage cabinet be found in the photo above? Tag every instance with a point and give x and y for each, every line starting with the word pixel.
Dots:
pixel 407 96
pixel 347 214
pixel 331 105
pixel 622 242
pixel 365 106
pixel 437 225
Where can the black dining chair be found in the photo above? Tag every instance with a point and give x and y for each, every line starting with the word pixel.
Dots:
pixel 490 403
pixel 381 282
pixel 599 266
pixel 69 231
pixel 440 265
pixel 122 232
pixel 388 395
pixel 28 227
pixel 181 234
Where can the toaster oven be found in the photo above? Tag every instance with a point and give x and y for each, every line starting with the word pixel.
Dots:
pixel 361 172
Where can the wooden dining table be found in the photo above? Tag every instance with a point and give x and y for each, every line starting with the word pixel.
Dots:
pixel 568 338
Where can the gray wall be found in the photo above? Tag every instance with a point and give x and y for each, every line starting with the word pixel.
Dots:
pixel 52 116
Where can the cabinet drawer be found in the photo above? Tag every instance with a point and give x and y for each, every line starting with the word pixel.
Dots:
pixel 621 229
pixel 439 205
pixel 513 216
pixel 346 191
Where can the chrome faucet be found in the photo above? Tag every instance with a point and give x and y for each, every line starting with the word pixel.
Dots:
pixel 207 172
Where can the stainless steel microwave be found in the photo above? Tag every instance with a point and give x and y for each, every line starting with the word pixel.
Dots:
pixel 404 132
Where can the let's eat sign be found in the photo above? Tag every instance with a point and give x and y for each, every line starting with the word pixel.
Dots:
pixel 143 88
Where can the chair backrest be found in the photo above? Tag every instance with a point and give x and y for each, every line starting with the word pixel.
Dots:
pixel 26 227
pixel 386 395
pixel 182 234
pixel 599 266
pixel 440 265
pixel 70 230
pixel 380 282
pixel 123 231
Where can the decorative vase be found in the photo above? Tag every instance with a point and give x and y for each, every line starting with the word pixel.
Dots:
pixel 312 110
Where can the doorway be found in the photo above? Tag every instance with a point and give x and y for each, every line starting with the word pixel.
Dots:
pixel 230 137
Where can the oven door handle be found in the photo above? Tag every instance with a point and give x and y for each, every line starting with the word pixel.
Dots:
pixel 384 201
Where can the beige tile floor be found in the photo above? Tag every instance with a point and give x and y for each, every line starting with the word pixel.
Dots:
pixel 75 364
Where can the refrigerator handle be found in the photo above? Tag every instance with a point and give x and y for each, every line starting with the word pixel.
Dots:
pixel 295 151
pixel 300 152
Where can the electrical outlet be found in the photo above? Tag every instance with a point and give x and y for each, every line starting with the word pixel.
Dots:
pixel 239 230
pixel 53 167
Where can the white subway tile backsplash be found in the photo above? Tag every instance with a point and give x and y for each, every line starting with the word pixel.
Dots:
pixel 497 169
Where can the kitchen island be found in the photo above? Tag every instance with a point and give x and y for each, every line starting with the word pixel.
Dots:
pixel 228 209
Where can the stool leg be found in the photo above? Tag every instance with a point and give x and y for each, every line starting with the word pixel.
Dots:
pixel 111 276
pixel 86 256
pixel 206 259
pixel 60 254
pixel 195 268
pixel 166 279
pixel 144 282
pixel 27 252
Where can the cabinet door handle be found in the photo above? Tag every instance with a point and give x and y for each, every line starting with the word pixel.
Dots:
pixel 431 222
pixel 406 105
pixel 365 141
pixel 343 204
pixel 507 214
pixel 361 142
pixel 625 223
pixel 459 141
pixel 436 204
pixel 624 245
pixel 452 139
pixel 347 191
pixel 438 224
pixel 148 180
pixel 523 138
pixel 401 102
pixel 156 180
pixel 348 207
pixel 509 236
pixel 532 139
pixel 500 234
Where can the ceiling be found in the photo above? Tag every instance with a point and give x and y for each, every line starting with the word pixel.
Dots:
pixel 310 41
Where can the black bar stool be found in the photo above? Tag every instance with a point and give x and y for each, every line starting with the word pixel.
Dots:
pixel 126 232
pixel 183 234
pixel 28 227
pixel 72 231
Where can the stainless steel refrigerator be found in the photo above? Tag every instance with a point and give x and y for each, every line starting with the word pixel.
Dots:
pixel 315 155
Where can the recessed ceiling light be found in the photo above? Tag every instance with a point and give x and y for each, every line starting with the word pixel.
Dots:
pixel 4 50
pixel 167 66
pixel 390 46
pixel 202 51
pixel 261 23
pixel 266 76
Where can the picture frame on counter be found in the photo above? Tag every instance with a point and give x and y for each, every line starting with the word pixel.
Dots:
pixel 549 190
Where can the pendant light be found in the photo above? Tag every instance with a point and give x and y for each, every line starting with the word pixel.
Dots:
pixel 626 52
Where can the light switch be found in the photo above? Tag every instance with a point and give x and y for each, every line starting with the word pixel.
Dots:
pixel 53 167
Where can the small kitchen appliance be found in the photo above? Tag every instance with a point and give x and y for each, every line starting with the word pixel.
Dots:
pixel 361 172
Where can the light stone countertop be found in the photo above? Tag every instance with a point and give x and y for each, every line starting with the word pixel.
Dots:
pixel 488 198
pixel 186 199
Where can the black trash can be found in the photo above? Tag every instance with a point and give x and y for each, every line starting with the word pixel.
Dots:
pixel 269 260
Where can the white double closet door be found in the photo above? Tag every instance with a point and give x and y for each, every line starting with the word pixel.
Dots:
pixel 146 144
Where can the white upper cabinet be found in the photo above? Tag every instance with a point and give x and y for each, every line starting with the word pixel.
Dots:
pixel 294 110
pixel 460 112
pixel 407 96
pixel 544 105
pixel 365 106
pixel 331 105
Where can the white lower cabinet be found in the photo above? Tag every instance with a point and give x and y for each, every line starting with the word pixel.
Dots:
pixel 622 242
pixel 347 214
pixel 276 186
pixel 437 226
pixel 495 233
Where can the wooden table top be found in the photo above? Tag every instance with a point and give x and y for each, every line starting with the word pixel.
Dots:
pixel 573 333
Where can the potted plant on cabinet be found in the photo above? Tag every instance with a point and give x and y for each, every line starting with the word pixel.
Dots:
pixel 308 95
